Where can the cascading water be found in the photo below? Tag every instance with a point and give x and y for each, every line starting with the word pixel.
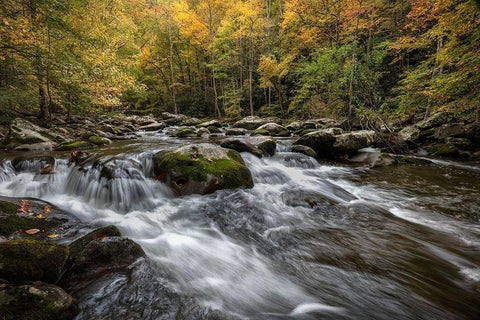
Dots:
pixel 308 241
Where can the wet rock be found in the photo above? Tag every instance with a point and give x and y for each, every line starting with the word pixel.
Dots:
pixel 211 123
pixel 298 126
pixel 240 145
pixel 435 120
pixel 272 129
pixel 321 141
pixel 99 141
pixel 24 135
pixel 443 149
pixel 459 130
pixel 304 150
pixel 213 129
pixel 250 123
pixel 172 119
pixel 34 163
pixel 155 126
pixel 409 134
pixel 410 160
pixel 78 156
pixel 236 132
pixel 203 132
pixel 78 245
pixel 183 132
pixel 268 145
pixel 73 146
pixel 191 122
pixel 461 143
pixel 35 300
pixel 350 143
pixel 23 260
pixel 373 159
pixel 106 254
pixel 201 169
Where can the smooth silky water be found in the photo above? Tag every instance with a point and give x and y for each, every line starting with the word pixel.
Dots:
pixel 309 241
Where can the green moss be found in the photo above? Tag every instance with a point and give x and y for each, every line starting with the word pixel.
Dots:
pixel 73 146
pixel 77 246
pixel 8 207
pixel 229 172
pixel 99 141
pixel 235 155
pixel 32 260
pixel 442 149
pixel 268 147
pixel 12 223
pixel 261 132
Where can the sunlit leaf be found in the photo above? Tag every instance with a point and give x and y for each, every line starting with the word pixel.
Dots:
pixel 46 210
pixel 32 231
pixel 54 235
pixel 40 216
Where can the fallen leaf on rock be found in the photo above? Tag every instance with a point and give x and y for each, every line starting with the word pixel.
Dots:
pixel 104 239
pixel 32 231
pixel 24 203
pixel 31 214
pixel 40 216
pixel 23 208
pixel 54 235
pixel 46 210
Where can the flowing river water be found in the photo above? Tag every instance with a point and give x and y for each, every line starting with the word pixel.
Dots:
pixel 310 241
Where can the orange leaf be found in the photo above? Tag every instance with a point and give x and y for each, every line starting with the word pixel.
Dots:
pixel 31 214
pixel 40 216
pixel 32 231
pixel 46 210
pixel 23 208
pixel 24 203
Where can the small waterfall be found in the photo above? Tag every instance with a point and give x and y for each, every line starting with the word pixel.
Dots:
pixel 7 172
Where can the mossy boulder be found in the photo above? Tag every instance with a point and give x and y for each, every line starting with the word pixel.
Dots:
pixel 267 145
pixel 304 150
pixel 183 132
pixel 155 126
pixel 214 129
pixel 77 145
pixel 35 301
pixel 23 260
pixel 78 245
pixel 250 123
pixel 443 150
pixel 241 145
pixel 349 143
pixel 32 163
pixel 203 133
pixel 201 169
pixel 105 254
pixel 99 141
pixel 211 123
pixel 272 129
pixel 236 132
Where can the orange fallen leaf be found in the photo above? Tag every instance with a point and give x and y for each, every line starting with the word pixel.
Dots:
pixel 32 231
pixel 54 235
pixel 23 208
pixel 24 203
pixel 40 216
pixel 46 210
pixel 31 214
pixel 104 239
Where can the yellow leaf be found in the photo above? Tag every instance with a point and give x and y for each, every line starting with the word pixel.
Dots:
pixel 40 216
pixel 31 214
pixel 54 235
pixel 32 231
pixel 46 210
pixel 24 203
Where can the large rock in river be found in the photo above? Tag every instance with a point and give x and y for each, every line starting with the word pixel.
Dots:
pixel 250 123
pixel 272 129
pixel 201 169
pixel 24 135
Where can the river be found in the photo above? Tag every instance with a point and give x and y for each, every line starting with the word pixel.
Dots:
pixel 310 241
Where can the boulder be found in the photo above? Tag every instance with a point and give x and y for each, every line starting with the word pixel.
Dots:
pixel 443 150
pixel 99 141
pixel 78 245
pixel 298 126
pixel 240 145
pixel 236 132
pixel 267 145
pixel 73 146
pixel 201 169
pixel 155 126
pixel 203 133
pixel 373 159
pixel 272 129
pixel 211 123
pixel 435 120
pixel 183 132
pixel 191 122
pixel 35 300
pixel 409 134
pixel 172 119
pixel 304 150
pixel 250 123
pixel 24 135
pixel 23 260
pixel 459 130
pixel 321 141
pixel 349 143
pixel 213 129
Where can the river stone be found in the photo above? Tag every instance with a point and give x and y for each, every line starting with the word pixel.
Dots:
pixel 78 245
pixel 321 141
pixel 240 145
pixel 304 150
pixel 213 129
pixel 236 132
pixel 349 143
pixel 24 135
pixel 435 120
pixel 104 254
pixel 268 145
pixel 23 260
pixel 77 145
pixel 443 149
pixel 211 123
pixel 272 129
pixel 183 132
pixel 373 159
pixel 409 134
pixel 35 300
pixel 201 169
pixel 203 133
pixel 99 141
pixel 298 126
pixel 250 123
pixel 155 126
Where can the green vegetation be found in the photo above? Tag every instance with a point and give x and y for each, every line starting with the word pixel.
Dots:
pixel 369 61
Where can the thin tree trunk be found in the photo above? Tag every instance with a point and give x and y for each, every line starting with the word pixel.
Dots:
pixel 214 82
pixel 44 114
pixel 250 80
pixel 477 118
pixel 170 61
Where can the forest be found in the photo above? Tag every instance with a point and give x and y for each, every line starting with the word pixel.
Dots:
pixel 365 60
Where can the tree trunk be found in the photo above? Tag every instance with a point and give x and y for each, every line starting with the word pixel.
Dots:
pixel 172 74
pixel 214 83
pixel 250 80
pixel 477 118
pixel 44 112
